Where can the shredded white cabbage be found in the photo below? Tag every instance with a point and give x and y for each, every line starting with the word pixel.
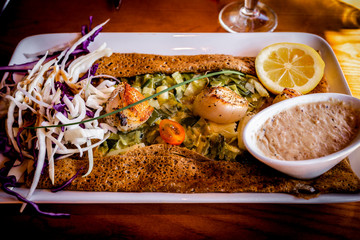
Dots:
pixel 77 43
pixel 38 93
pixel 81 136
pixel 41 142
pixel 83 63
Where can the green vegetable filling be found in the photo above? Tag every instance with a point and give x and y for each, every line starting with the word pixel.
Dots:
pixel 202 136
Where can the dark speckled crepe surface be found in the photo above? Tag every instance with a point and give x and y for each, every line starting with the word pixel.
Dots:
pixel 165 168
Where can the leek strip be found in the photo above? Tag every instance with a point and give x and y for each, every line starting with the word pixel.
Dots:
pixel 145 99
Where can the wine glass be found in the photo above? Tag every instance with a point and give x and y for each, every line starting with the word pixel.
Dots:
pixel 248 16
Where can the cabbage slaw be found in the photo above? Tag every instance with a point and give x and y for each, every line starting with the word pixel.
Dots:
pixel 41 96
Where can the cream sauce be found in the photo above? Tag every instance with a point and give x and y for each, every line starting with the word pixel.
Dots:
pixel 309 131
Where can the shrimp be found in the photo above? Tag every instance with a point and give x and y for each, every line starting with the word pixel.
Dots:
pixel 286 94
pixel 130 118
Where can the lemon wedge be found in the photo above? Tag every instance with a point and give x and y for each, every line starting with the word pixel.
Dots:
pixel 289 65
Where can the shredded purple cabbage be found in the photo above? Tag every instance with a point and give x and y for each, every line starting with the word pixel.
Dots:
pixel 86 29
pixel 65 90
pixel 80 50
pixel 19 144
pixel 68 182
pixel 10 79
pixel 8 182
pixel 90 114
pixel 18 138
pixel 5 148
pixel 61 107
pixel 91 72
pixel 25 66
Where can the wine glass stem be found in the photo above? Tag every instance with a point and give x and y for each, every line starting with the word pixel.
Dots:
pixel 249 8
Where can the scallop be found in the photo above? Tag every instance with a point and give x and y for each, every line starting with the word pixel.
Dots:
pixel 220 105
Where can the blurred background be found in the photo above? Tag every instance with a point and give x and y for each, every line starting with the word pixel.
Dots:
pixel 23 18
pixel 337 21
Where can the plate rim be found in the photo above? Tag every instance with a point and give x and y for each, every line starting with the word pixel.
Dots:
pixel 181 197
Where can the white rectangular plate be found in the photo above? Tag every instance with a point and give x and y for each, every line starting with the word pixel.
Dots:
pixel 247 44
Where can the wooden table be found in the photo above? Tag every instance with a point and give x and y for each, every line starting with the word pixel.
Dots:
pixel 179 221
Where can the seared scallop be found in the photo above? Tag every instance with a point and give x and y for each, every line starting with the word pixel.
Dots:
pixel 220 105
pixel 132 117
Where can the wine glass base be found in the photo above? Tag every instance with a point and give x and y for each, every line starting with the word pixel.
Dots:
pixel 232 20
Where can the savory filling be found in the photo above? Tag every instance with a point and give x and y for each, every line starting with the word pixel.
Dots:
pixel 204 132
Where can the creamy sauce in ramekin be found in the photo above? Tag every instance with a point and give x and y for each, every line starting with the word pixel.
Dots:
pixel 309 131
